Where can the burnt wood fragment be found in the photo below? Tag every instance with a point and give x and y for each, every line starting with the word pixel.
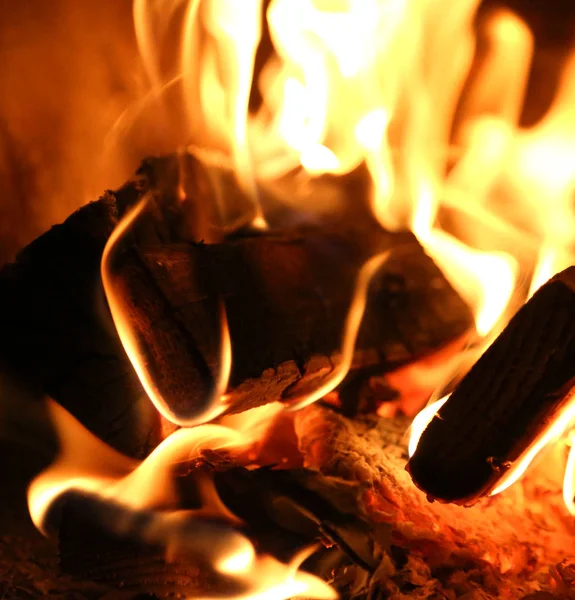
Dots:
pixel 505 402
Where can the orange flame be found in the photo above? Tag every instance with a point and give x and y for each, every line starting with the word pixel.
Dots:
pixel 351 329
pixel 215 406
pixel 87 464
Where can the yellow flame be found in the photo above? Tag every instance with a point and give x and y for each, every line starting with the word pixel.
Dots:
pixel 292 583
pixel 561 422
pixel 329 75
pixel 485 279
pixel 569 479
pixel 236 30
pixel 421 421
pixel 86 464
pixel 215 405
pixel 350 331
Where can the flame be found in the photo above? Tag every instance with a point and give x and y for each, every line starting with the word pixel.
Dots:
pixel 485 279
pixel 569 479
pixel 387 84
pixel 236 30
pixel 421 421
pixel 88 465
pixel 215 405
pixel 351 329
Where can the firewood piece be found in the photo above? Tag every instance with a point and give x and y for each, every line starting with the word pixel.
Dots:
pixel 505 402
pixel 286 295
pixel 503 547
pixel 57 337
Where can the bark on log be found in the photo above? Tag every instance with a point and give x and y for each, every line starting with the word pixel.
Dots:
pixel 505 402
pixel 286 295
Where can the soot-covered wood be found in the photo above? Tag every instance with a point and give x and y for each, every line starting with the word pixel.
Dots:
pixel 286 294
pixel 507 399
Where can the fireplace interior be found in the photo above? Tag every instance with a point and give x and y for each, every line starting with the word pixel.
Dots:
pixel 287 299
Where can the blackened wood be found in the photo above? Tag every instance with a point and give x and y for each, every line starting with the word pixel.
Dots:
pixel 57 337
pixel 507 399
pixel 286 295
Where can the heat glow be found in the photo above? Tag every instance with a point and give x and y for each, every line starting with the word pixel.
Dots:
pixel 382 84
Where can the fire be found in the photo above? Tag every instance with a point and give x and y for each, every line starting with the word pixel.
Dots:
pixel 88 465
pixel 382 83
pixel 568 483
pixel 213 406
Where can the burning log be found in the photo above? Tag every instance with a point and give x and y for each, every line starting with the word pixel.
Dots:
pixel 286 295
pixel 506 403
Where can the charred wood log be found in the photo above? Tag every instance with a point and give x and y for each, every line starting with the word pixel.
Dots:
pixel 94 546
pixel 286 294
pixel 507 400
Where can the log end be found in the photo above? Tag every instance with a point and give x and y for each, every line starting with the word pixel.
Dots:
pixel 505 402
